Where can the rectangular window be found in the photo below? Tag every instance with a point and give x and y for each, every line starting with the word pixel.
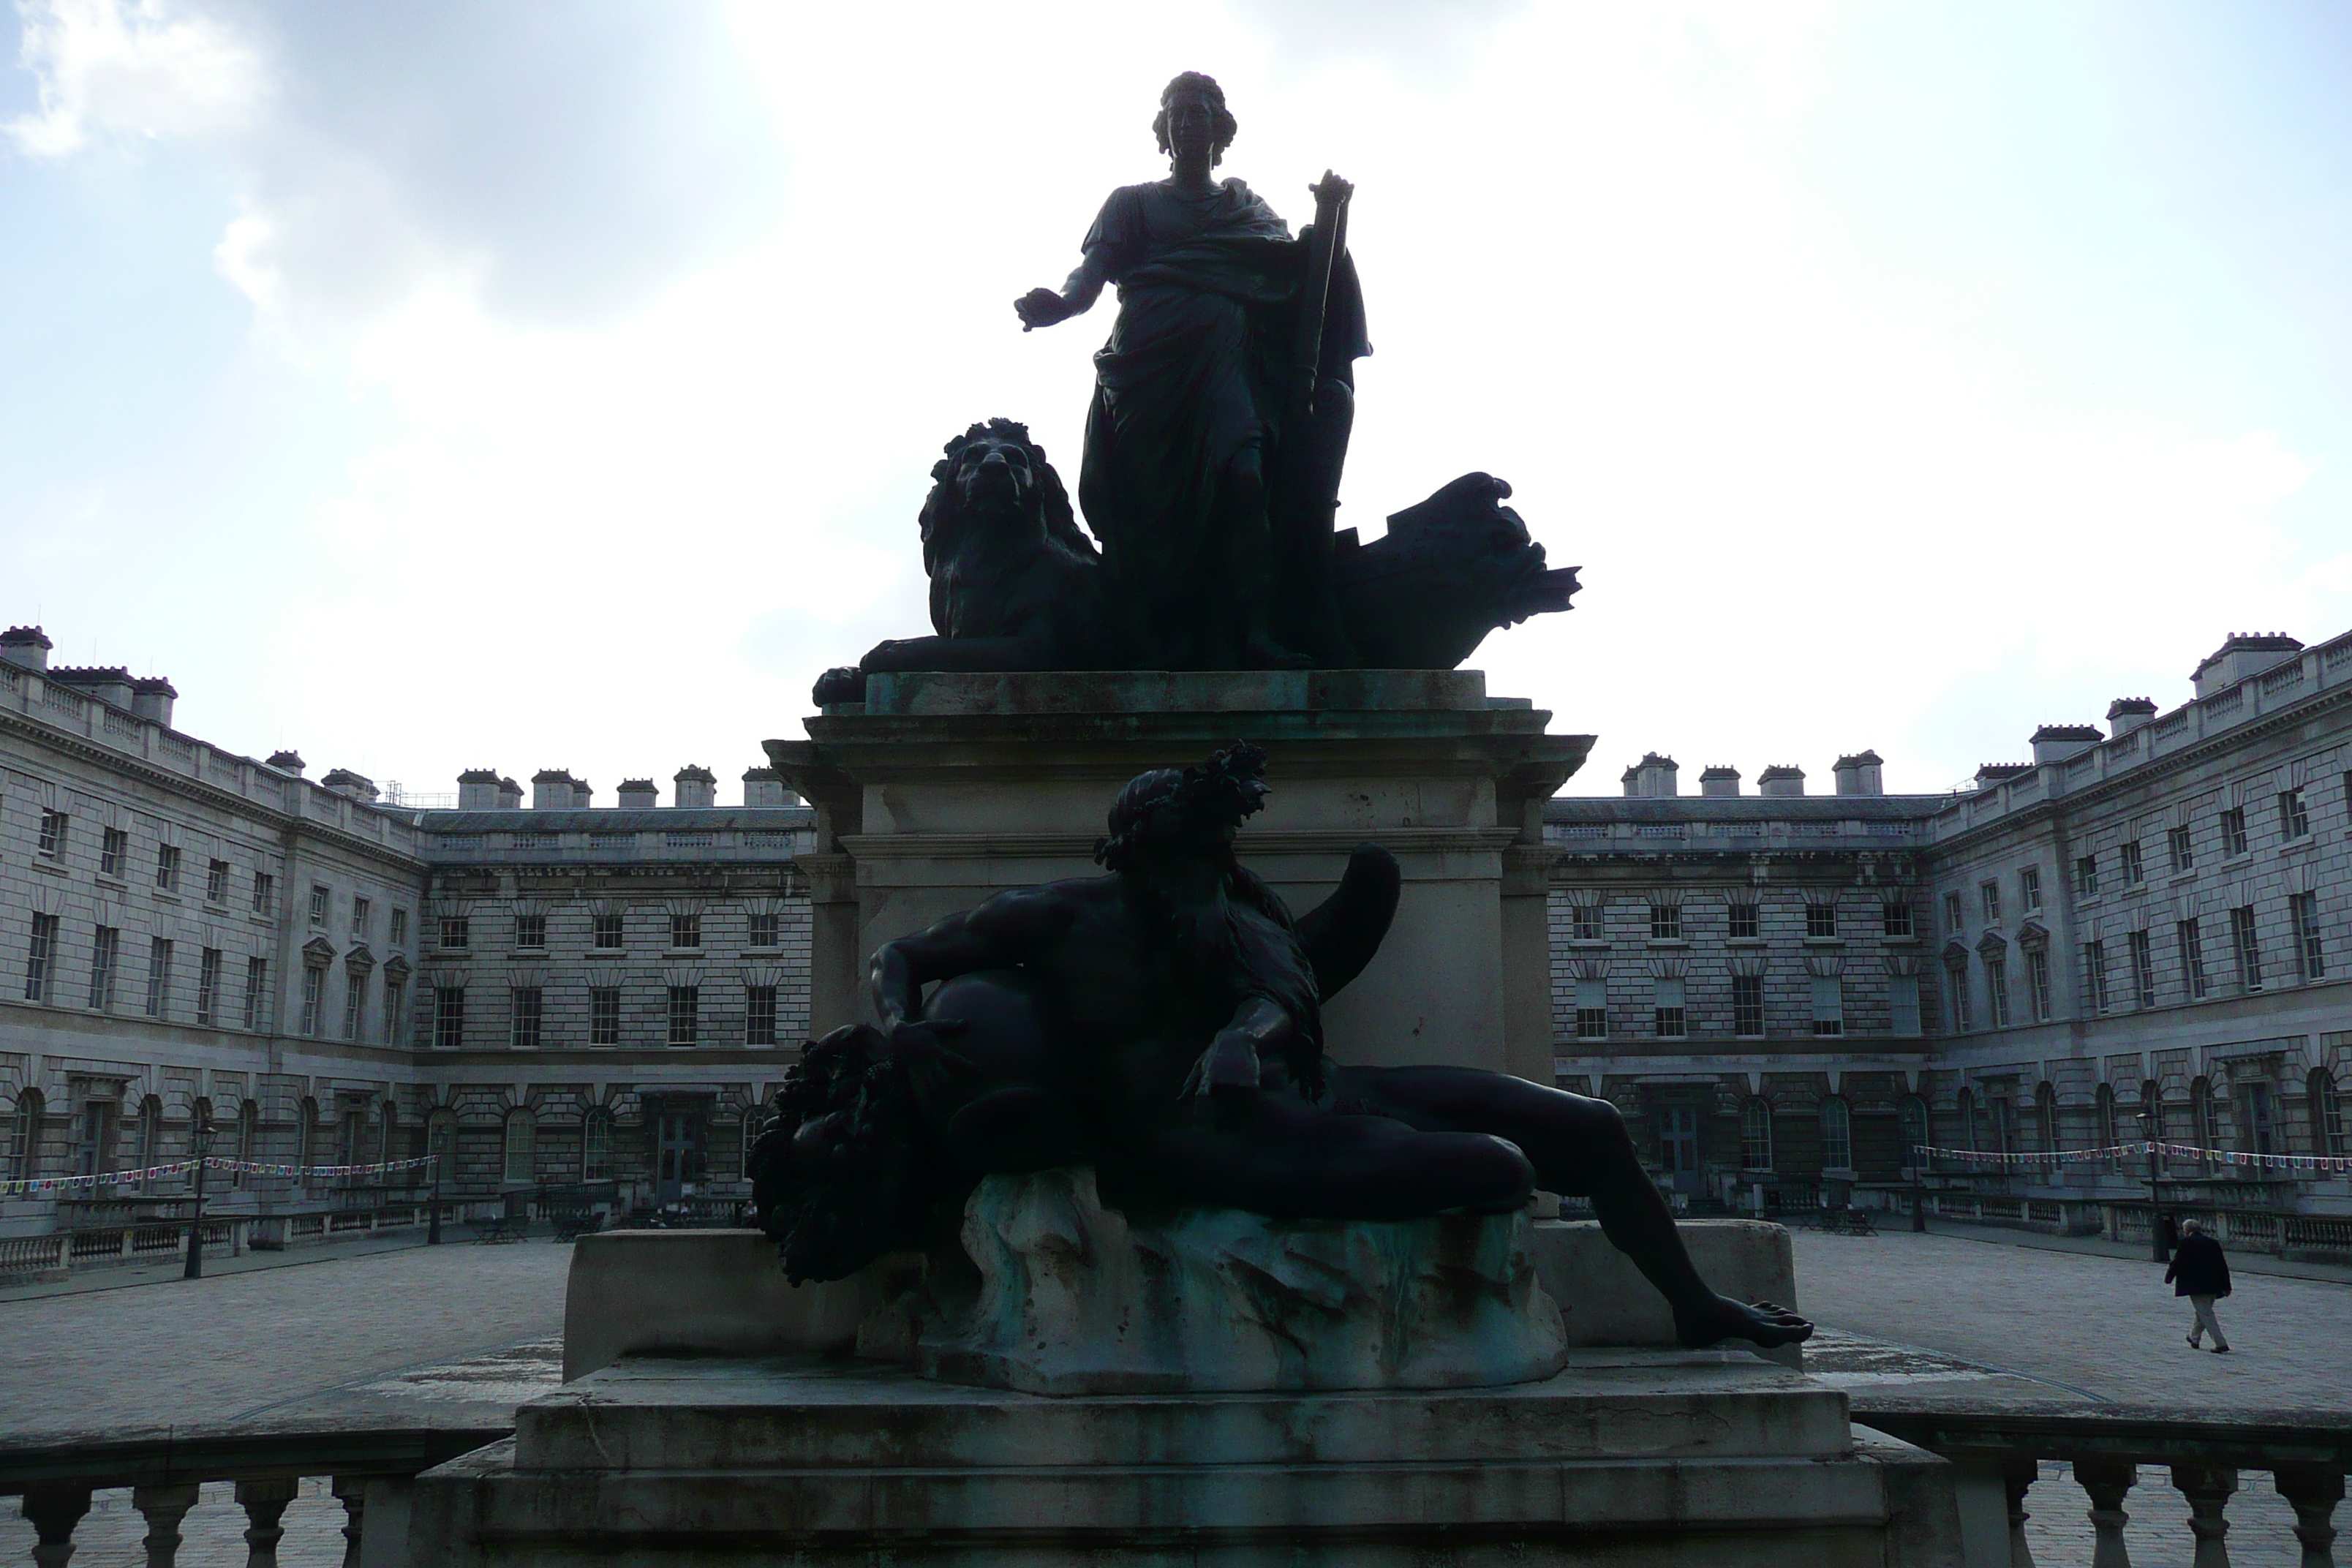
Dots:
pixel 1665 922
pixel 2295 819
pixel 41 958
pixel 2037 981
pixel 355 984
pixel 113 849
pixel 764 929
pixel 167 867
pixel 1895 919
pixel 1988 899
pixel 400 928
pixel 686 931
pixel 2311 959
pixel 1592 1009
pixel 256 988
pixel 530 931
pixel 2086 876
pixel 159 978
pixel 1821 919
pixel 522 1032
pixel 102 951
pixel 314 992
pixel 2246 947
pixel 1668 1014
pixel 216 882
pixel 1958 978
pixel 392 990
pixel 2095 976
pixel 208 983
pixel 320 897
pixel 1585 922
pixel 759 1015
pixel 1903 1003
pixel 1951 911
pixel 2233 832
pixel 1997 991
pixel 449 1017
pixel 1747 1006
pixel 604 1015
pixel 2192 958
pixel 685 1015
pixel 264 893
pixel 360 909
pixel 2143 967
pixel 2132 873
pixel 456 933
pixel 53 834
pixel 608 930
pixel 2028 888
pixel 1745 926
pixel 2181 848
pixel 596 1148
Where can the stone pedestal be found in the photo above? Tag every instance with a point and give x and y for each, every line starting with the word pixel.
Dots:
pixel 939 790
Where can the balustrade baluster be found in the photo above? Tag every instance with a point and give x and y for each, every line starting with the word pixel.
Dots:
pixel 2017 1474
pixel 2107 1481
pixel 265 1504
pixel 163 1507
pixel 2313 1490
pixel 54 1510
pixel 352 1491
pixel 2208 1490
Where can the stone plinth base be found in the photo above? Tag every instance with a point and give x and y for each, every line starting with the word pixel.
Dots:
pixel 1627 1456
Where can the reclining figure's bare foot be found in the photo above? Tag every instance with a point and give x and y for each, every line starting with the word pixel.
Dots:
pixel 1719 1318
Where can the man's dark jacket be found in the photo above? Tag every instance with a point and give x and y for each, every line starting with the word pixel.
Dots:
pixel 2199 1268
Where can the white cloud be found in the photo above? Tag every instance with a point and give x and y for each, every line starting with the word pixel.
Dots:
pixel 138 68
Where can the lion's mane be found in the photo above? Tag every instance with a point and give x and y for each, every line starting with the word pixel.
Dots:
pixel 943 509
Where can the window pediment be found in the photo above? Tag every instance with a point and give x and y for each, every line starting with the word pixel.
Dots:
pixel 2034 936
pixel 318 950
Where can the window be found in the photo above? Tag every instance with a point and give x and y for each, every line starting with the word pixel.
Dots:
pixel 208 982
pixel 2329 1130
pixel 360 909
pixel 2095 976
pixel 41 958
pixel 2258 1133
pixel 2004 1127
pixel 456 932
pixel 2132 873
pixel 2246 947
pixel 2201 1112
pixel 1837 1134
pixel 2294 818
pixel 2037 982
pixel 53 834
pixel 1747 1006
pixel 2192 958
pixel 264 893
pixel 2028 888
pixel 530 931
pixel 1667 1013
pixel 1592 1009
pixel 167 867
pixel 2142 953
pixel 159 978
pixel 1996 968
pixel 102 966
pixel 1829 1004
pixel 257 987
pixel 314 989
pixel 2104 1107
pixel 1895 919
pixel 1988 899
pixel 393 988
pixel 320 897
pixel 597 1146
pixel 2311 960
pixel 113 849
pixel 1756 1134
pixel 1914 1128
pixel 2233 832
pixel 686 931
pixel 521 1145
pixel 449 1017
pixel 1665 922
pixel 216 881
pixel 2086 876
pixel 1585 922
pixel 400 928
pixel 522 1032
pixel 2180 849
pixel 1903 1003
pixel 1958 975
pixel 1951 911
pixel 604 1015
pixel 355 984
pixel 759 1015
pixel 685 1015
pixel 608 930
pixel 1821 919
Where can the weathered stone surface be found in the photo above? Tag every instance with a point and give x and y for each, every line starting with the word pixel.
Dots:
pixel 1604 1300
pixel 1077 1299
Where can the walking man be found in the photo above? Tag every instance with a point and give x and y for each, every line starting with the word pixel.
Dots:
pixel 2200 1272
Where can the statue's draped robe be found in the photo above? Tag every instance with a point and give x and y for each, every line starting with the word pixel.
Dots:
pixel 1195 371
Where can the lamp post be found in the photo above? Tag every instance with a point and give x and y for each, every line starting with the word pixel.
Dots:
pixel 2155 1198
pixel 205 1134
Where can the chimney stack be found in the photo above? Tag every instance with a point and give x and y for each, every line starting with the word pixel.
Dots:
pixel 2243 654
pixel 477 790
pixel 152 699
pixel 1719 781
pixel 2062 742
pixel 694 785
pixel 350 786
pixel 1858 775
pixel 1652 778
pixel 638 795
pixel 1781 781
pixel 2126 714
pixel 28 648
pixel 287 762
pixel 510 796
pixel 765 786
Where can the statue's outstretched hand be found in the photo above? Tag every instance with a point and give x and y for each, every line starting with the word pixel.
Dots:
pixel 1230 1066
pixel 1041 308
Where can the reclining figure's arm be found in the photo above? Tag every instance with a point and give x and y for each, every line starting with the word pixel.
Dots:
pixel 999 934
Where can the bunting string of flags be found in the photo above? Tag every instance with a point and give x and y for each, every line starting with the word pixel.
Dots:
pixel 36 1185
pixel 2335 1165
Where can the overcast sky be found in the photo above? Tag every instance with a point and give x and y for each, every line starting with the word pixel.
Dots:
pixel 426 386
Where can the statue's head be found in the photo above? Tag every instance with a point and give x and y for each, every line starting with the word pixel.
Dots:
pixel 1181 811
pixel 1192 114
pixel 995 476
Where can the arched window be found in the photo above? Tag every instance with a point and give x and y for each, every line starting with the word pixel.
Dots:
pixel 597 1146
pixel 2329 1135
pixel 25 1139
pixel 1970 1136
pixel 2004 1125
pixel 2104 1101
pixel 1915 1130
pixel 521 1145
pixel 2045 1110
pixel 2200 1113
pixel 248 1135
pixel 150 1137
pixel 1837 1134
pixel 1756 1134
